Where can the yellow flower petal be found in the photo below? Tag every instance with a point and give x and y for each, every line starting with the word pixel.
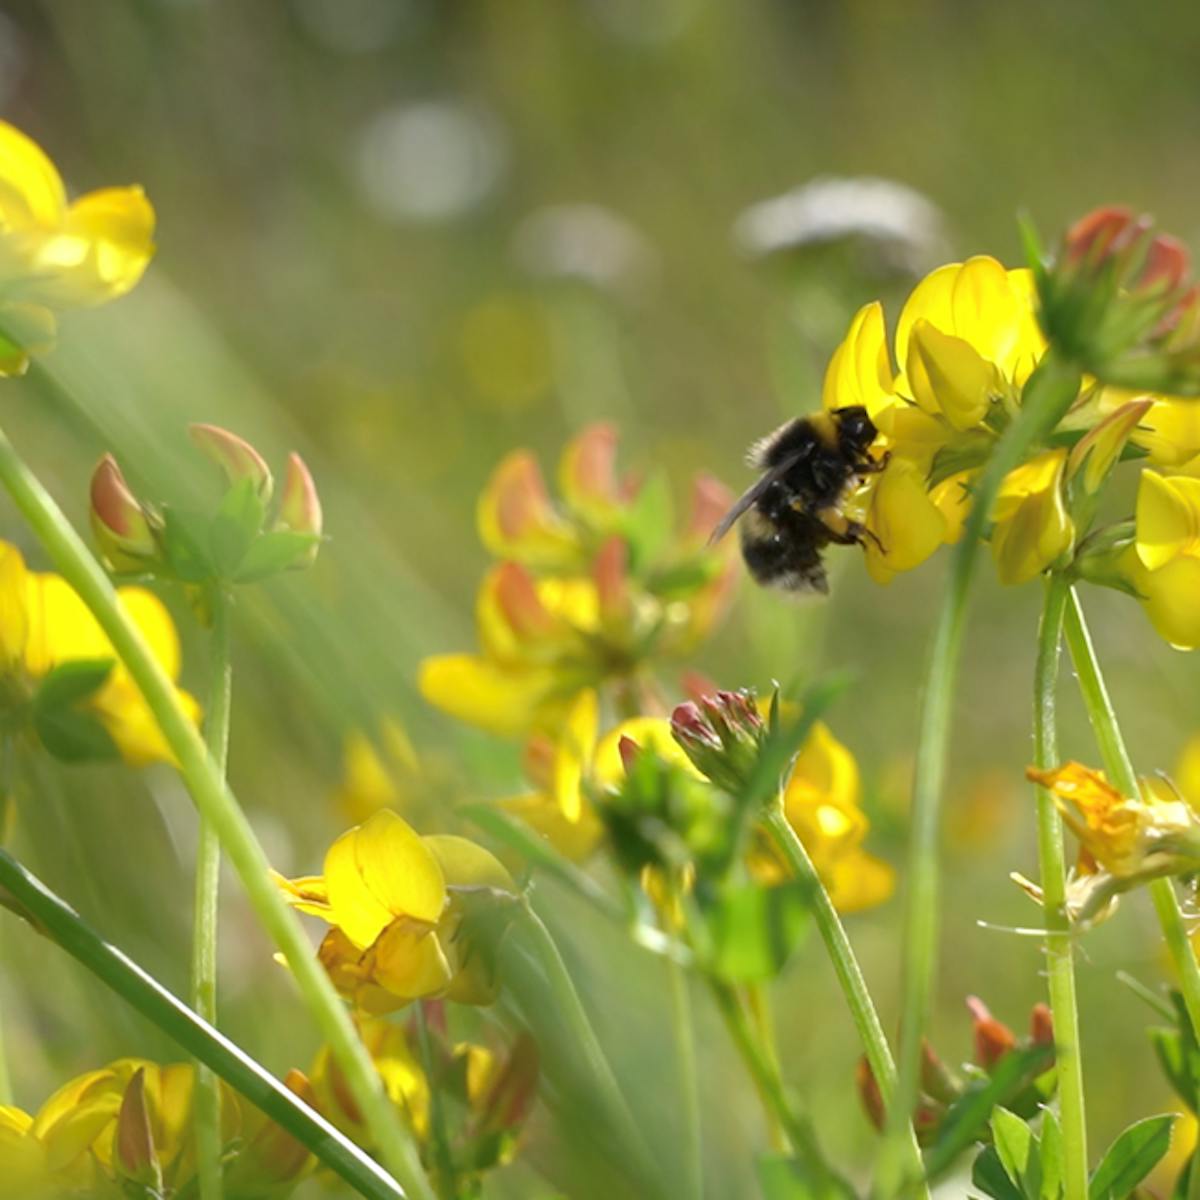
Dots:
pixel 859 881
pixel 576 840
pixel 1033 528
pixel 1171 598
pixel 482 693
pixel 823 769
pixel 378 872
pixel 516 519
pixel 573 751
pixel 466 865
pixel 408 960
pixel 14 621
pixel 908 524
pixel 1168 518
pixel 587 475
pixel 31 189
pixel 860 371
pixel 947 375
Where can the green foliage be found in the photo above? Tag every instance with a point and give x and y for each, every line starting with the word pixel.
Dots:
pixel 754 930
pixel 68 732
pixel 1131 1158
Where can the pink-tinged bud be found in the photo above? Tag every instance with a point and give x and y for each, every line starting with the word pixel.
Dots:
pixel 300 506
pixel 629 750
pixel 722 735
pixel 1167 265
pixel 133 1146
pixel 1102 233
pixel 121 527
pixel 587 471
pixel 1041 1025
pixel 235 456
pixel 689 726
pixel 993 1039
pixel 610 573
pixel 516 596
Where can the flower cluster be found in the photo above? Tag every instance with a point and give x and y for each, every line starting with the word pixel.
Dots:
pixel 586 594
pixel 56 255
pixel 400 912
pixel 969 339
pixel 126 1129
pixel 59 675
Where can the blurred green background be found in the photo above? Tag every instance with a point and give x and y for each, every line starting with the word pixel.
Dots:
pixel 355 261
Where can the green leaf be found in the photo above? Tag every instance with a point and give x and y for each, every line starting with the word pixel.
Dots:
pixel 72 682
pixel 237 523
pixel 755 929
pixel 185 542
pixel 970 1113
pixel 1053 1174
pixel 73 736
pixel 1014 1144
pixel 648 521
pixel 783 1178
pixel 1131 1158
pixel 989 1176
pixel 1168 1047
pixel 273 552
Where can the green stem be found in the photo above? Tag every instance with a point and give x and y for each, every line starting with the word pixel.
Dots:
pixel 758 1006
pixel 217 803
pixel 799 1137
pixel 208 883
pixel 55 919
pixel 1123 777
pixel 1060 967
pixel 1047 396
pixel 849 975
pixel 447 1183
pixel 683 1027
pixel 6 1088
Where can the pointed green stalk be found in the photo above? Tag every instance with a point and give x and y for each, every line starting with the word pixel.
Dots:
pixel 217 803
pixel 684 1031
pixel 444 1176
pixel 1060 966
pixel 1047 396
pixel 55 919
pixel 1123 777
pixel 849 975
pixel 208 883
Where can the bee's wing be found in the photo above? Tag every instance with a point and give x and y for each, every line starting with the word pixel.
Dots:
pixel 750 497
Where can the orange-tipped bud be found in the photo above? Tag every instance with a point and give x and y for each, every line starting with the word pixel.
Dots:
pixel 300 506
pixel 587 472
pixel 120 524
pixel 133 1145
pixel 1041 1025
pixel 235 456
pixel 870 1095
pixel 610 573
pixel 993 1039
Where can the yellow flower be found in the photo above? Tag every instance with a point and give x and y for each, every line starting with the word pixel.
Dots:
pixel 1137 837
pixel 396 902
pixel 56 255
pixel 966 342
pixel 822 802
pixel 1032 527
pixel 1165 569
pixel 371 780
pixel 585 595
pixel 46 624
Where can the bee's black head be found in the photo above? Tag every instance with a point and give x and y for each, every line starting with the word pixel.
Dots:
pixel 856 430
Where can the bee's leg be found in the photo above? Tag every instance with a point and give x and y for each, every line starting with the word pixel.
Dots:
pixel 845 532
pixel 872 466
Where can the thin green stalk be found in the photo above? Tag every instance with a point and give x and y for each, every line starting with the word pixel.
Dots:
pixel 799 1137
pixel 217 803
pixel 447 1184
pixel 758 1006
pixel 208 883
pixel 1123 777
pixel 54 918
pixel 1047 396
pixel 1060 967
pixel 683 1028
pixel 6 1089
pixel 849 975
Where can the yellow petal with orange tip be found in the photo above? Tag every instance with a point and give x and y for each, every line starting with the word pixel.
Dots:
pixel 859 371
pixel 517 521
pixel 1168 518
pixel 587 474
pixel 31 189
pixel 378 872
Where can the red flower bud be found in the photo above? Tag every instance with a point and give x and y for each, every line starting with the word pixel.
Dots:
pixel 235 456
pixel 120 524
pixel 993 1039
pixel 300 506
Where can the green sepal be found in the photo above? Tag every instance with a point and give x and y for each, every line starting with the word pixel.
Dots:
pixel 1131 1158
pixel 237 523
pixel 273 553
pixel 754 930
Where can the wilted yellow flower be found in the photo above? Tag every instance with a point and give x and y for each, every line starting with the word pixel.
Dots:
pixel 822 802
pixel 44 624
pixel 56 255
pixel 396 902
pixel 1132 838
pixel 584 596
pixel 1165 567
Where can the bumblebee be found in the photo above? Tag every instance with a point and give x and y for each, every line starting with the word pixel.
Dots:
pixel 809 465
